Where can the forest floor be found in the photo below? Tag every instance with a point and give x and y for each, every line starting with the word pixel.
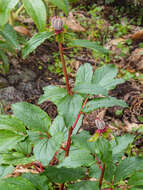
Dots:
pixel 113 28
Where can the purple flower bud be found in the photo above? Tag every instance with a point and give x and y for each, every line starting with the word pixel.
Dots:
pixel 57 24
pixel 100 124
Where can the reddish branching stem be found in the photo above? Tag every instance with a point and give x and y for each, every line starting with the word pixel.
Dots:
pixel 64 69
pixel 101 177
pixel 72 128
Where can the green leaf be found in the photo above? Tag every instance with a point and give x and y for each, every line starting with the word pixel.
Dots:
pixel 62 175
pixel 81 141
pixel 16 183
pixel 24 147
pixel 11 123
pixel 121 143
pixel 34 42
pixel 90 185
pixel 5 46
pixel 5 66
pixel 90 45
pixel 95 171
pixel 109 171
pixel 103 103
pixel 127 167
pixel 40 182
pixel 44 151
pixel 88 88
pixel 104 76
pixel 10 36
pixel 32 116
pixel 37 11
pixel 5 7
pixel 62 4
pixel 84 74
pixel 69 108
pixel 113 83
pixel 16 158
pixel 5 170
pixel 53 93
pixel 8 139
pixel 77 158
pixel 105 150
pixel 57 126
pixel 136 179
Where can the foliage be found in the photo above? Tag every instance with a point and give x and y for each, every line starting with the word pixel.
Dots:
pixel 56 153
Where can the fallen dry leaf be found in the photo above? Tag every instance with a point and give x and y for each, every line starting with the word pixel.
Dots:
pixel 22 30
pixel 72 23
pixel 138 35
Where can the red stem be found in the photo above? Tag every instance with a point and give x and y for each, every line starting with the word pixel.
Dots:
pixel 72 128
pixel 64 69
pixel 101 177
pixel 68 142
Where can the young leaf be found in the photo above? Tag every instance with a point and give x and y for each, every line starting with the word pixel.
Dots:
pixel 84 74
pixel 69 108
pixel 63 174
pixel 16 183
pixel 103 103
pixel 53 93
pixel 77 158
pixel 5 170
pixel 5 7
pixel 40 182
pixel 88 88
pixel 32 116
pixel 8 139
pixel 90 45
pixel 90 185
pixel 34 42
pixel 127 167
pixel 11 123
pixel 10 36
pixel 44 151
pixel 62 4
pixel 37 11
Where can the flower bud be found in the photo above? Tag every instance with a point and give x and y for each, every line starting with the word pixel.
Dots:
pixel 57 24
pixel 100 124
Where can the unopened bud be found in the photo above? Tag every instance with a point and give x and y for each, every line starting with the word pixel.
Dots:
pixel 57 24
pixel 100 124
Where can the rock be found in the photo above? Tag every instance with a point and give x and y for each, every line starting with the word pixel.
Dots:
pixel 11 95
pixel 17 76
pixel 3 82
